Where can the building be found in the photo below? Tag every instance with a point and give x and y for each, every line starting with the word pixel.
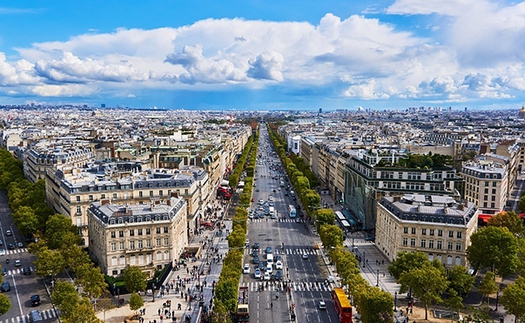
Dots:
pixel 437 225
pixel 149 236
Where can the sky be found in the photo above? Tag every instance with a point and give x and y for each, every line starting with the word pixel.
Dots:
pixel 264 55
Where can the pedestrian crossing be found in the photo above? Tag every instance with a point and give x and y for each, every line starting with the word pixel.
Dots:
pixel 295 286
pixel 13 251
pixel 290 251
pixel 268 218
pixel 46 315
pixel 18 270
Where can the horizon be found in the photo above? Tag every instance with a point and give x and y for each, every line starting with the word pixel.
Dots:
pixel 382 55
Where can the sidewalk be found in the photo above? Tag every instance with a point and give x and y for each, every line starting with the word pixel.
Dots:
pixel 197 283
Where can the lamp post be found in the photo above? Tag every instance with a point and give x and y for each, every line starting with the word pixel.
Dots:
pixel 377 284
pixel 153 292
pixel 364 260
pixel 497 299
pixel 395 301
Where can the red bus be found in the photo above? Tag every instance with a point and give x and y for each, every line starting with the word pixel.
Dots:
pixel 343 308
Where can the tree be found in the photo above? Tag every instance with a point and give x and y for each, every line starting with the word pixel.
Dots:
pixel 406 261
pixel 488 285
pixel 428 283
pixel 331 236
pixel 92 281
pixel 460 280
pixel 509 220
pixel 513 299
pixel 376 306
pixel 325 216
pixel 454 301
pixel 5 304
pixel 135 279
pixel 75 257
pixel 49 263
pixel 26 220
pixel 521 203
pixel 60 231
pixel 494 248
pixel 135 302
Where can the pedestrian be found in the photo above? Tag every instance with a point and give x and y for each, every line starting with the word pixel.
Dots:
pixel 158 312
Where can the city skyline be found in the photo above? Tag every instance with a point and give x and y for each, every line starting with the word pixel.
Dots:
pixel 264 55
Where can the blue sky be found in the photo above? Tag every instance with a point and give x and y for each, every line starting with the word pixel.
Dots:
pixel 264 54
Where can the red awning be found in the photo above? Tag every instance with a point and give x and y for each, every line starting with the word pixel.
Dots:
pixel 484 217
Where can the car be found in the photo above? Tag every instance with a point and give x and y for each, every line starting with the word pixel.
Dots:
pixel 27 271
pixel 305 256
pixel 273 216
pixel 5 287
pixel 279 257
pixel 4 271
pixel 35 300
pixel 268 249
pixel 256 245
pixel 322 305
pixel 278 264
pixel 245 270
pixel 255 253
pixel 247 242
pixel 1 243
pixel 18 263
pixel 266 276
pixel 370 238
pixel 269 268
pixel 19 244
pixel 261 266
pixel 257 190
pixel 11 246
pixel 278 275
pixel 274 190
pixel 2 252
pixel 8 233
pixel 297 220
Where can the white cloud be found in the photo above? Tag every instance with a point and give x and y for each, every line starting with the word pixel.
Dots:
pixel 267 66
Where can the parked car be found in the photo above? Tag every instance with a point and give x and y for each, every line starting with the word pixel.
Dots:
pixel 246 269
pixel 5 287
pixel 35 300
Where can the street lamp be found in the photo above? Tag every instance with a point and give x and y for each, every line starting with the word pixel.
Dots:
pixel 153 291
pixel 395 301
pixel 364 260
pixel 497 300
pixel 377 285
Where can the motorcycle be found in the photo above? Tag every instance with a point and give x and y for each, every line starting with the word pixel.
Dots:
pixel 7 261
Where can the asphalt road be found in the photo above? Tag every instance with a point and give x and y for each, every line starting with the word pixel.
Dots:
pixel 22 286
pixel 270 302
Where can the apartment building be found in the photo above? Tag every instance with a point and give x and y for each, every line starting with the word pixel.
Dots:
pixel 437 225
pixel 149 236
pixel 486 185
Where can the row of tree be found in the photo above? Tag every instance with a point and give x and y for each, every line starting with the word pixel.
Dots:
pixel 56 245
pixel 227 287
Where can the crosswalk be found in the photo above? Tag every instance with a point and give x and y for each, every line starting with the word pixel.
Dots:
pixel 295 286
pixel 46 315
pixel 18 270
pixel 291 251
pixel 14 251
pixel 268 218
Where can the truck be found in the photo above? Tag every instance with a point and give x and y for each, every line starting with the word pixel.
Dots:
pixel 243 310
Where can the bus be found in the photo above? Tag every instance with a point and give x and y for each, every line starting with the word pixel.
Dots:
pixel 346 226
pixel 292 211
pixel 342 305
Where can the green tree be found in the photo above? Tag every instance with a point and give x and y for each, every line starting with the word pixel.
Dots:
pixel 5 304
pixel 454 301
pixel 92 281
pixel 406 261
pixel 509 220
pixel 135 302
pixel 325 216
pixel 331 236
pixel 521 203
pixel 75 257
pixel 49 263
pixel 26 220
pixel 494 248
pixel 513 299
pixel 460 280
pixel 428 283
pixel 60 231
pixel 376 306
pixel 135 279
pixel 521 256
pixel 488 285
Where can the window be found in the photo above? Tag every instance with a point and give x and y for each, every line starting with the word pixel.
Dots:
pixel 458 246
pixel 449 260
pixel 113 246
pixel 423 243
pixel 486 184
pixel 78 198
pixel 121 234
pixel 158 242
pixel 486 191
pixel 114 196
pixel 148 243
pixel 131 233
pixel 458 234
pixel 451 234
pixel 148 231
pixel 450 246
pixel 413 230
pixel 458 261
pixel 140 193
pixel 405 230
pixel 150 193
pixel 79 210
pixel 132 245
pixel 493 191
pixel 405 241
pixel 158 230
pixel 431 232
pixel 165 229
pixel 91 197
pixel 160 193
pixel 412 242
pixel 440 244
pixel 423 231
pixel 102 196
pixel 141 244
pixel 493 184
pixel 166 241
pixel 113 234
pixel 431 244
pixel 440 233
pixel 139 232
pixel 121 245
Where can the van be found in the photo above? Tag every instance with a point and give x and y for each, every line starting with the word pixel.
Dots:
pixel 269 259
pixel 35 316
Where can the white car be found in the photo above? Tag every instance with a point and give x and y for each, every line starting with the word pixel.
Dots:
pixel 246 269
pixel 266 276
pixel 2 252
pixel 305 256
pixel 279 264
pixel 257 273
pixel 322 305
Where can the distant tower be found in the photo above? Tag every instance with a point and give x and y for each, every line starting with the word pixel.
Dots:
pixel 521 114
